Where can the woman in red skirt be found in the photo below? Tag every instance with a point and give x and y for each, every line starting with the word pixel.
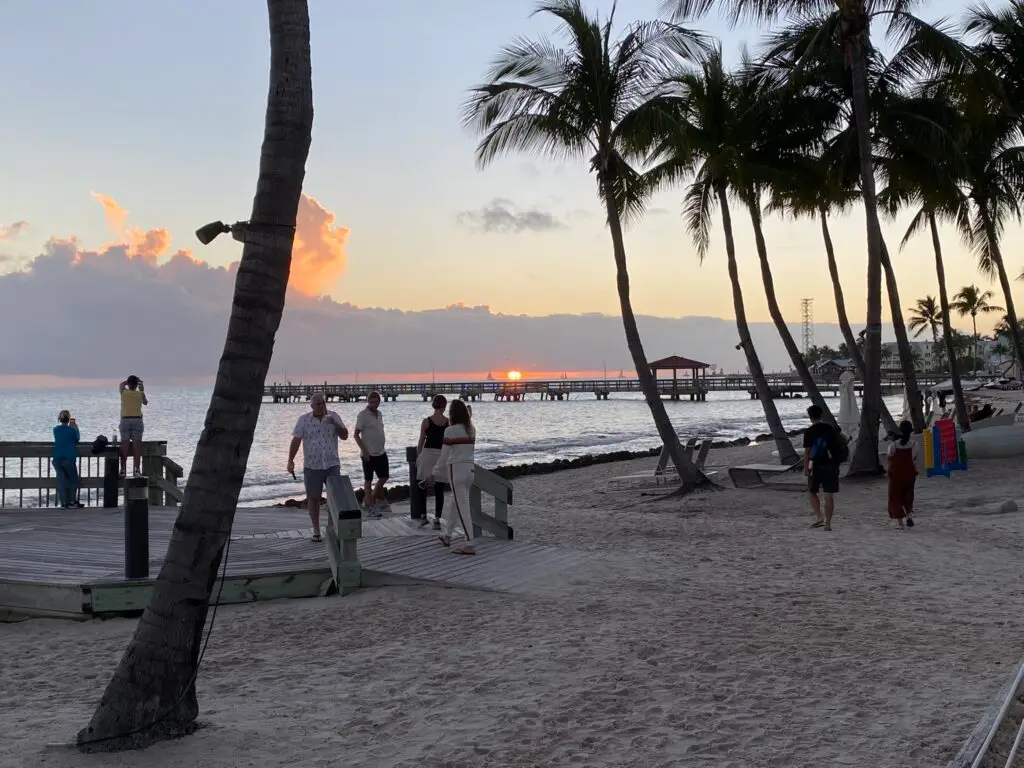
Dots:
pixel 902 477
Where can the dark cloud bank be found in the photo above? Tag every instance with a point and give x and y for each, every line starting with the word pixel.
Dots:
pixel 102 314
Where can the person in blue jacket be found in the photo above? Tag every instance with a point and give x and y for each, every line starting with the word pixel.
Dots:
pixel 65 460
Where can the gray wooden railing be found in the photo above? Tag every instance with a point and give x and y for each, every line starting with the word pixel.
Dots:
pixel 500 491
pixel 27 476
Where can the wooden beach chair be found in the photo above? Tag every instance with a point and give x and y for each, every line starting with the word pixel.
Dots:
pixel 756 475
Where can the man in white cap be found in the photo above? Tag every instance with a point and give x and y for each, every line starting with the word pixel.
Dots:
pixel 317 432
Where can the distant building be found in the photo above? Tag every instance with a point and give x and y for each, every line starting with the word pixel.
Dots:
pixel 925 358
pixel 832 369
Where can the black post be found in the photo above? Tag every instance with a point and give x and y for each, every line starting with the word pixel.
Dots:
pixel 111 481
pixel 417 498
pixel 136 527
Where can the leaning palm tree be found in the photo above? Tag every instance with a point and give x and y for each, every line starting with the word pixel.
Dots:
pixel 972 300
pixel 849 22
pixel 589 100
pixel 714 115
pixel 152 695
pixel 815 193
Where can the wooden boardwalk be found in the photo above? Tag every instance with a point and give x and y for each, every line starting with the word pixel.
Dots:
pixel 71 564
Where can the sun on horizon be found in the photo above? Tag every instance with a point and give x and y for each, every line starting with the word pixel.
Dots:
pixel 514 375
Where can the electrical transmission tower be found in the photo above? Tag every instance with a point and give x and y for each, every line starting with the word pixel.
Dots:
pixel 807 315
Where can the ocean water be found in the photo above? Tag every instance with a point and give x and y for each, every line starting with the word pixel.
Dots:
pixel 508 433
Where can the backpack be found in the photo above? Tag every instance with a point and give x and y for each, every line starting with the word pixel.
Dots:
pixel 842 449
pixel 836 449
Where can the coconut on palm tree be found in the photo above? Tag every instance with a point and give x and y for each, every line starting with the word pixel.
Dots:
pixel 972 300
pixel 590 101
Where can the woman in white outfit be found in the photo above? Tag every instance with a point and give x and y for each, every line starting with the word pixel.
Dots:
pixel 456 462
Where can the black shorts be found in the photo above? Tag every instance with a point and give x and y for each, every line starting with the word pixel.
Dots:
pixel 824 477
pixel 375 465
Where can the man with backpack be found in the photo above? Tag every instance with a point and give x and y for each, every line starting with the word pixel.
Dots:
pixel 824 451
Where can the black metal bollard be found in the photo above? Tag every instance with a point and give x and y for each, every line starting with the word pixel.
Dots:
pixel 111 481
pixel 417 498
pixel 136 527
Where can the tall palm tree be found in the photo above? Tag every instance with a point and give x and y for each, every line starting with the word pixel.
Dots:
pixel 589 101
pixel 926 315
pixel 736 124
pixel 713 115
pixel 972 300
pixel 152 695
pixel 849 23
pixel 989 139
pixel 921 165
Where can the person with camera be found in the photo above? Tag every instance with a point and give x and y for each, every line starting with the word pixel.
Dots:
pixel 133 397
pixel 64 456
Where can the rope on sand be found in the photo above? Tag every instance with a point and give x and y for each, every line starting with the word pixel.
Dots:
pixel 974 750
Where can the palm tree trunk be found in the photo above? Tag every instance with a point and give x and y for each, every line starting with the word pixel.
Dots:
pixel 947 328
pixel 974 345
pixel 907 362
pixel 780 323
pixel 1004 280
pixel 865 454
pixel 844 321
pixel 787 455
pixel 689 475
pixel 152 694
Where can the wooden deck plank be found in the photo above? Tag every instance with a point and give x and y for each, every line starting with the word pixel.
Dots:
pixel 53 562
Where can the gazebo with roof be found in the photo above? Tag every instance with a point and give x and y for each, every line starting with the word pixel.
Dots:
pixel 696 388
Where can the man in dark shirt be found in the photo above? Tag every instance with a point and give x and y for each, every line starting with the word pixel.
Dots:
pixel 821 465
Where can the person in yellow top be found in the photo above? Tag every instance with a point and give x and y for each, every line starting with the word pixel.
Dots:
pixel 133 397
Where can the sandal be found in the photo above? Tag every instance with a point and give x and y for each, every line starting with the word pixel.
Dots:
pixel 317 538
pixel 817 524
pixel 464 551
pixel 446 541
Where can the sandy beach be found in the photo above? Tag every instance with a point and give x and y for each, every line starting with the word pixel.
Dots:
pixel 716 630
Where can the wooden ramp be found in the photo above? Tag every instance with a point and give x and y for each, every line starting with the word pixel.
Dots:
pixel 70 564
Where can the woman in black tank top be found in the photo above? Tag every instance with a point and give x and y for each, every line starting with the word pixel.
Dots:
pixel 434 436
pixel 428 450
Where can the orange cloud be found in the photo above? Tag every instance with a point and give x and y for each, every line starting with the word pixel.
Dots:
pixel 117 217
pixel 318 255
pixel 11 231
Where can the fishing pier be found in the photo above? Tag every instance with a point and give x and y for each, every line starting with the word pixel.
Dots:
pixel 678 379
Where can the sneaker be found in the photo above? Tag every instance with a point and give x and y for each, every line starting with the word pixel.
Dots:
pixel 437 525
pixel 374 512
pixel 424 521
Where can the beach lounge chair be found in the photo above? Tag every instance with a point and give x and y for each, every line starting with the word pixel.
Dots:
pixel 665 474
pixel 756 475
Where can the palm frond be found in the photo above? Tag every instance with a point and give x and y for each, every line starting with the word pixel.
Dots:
pixel 917 223
pixel 925 49
pixel 698 206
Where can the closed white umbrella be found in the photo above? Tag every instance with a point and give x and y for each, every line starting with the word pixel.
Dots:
pixel 849 411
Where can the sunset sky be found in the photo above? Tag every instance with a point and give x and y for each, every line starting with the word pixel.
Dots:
pixel 157 108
